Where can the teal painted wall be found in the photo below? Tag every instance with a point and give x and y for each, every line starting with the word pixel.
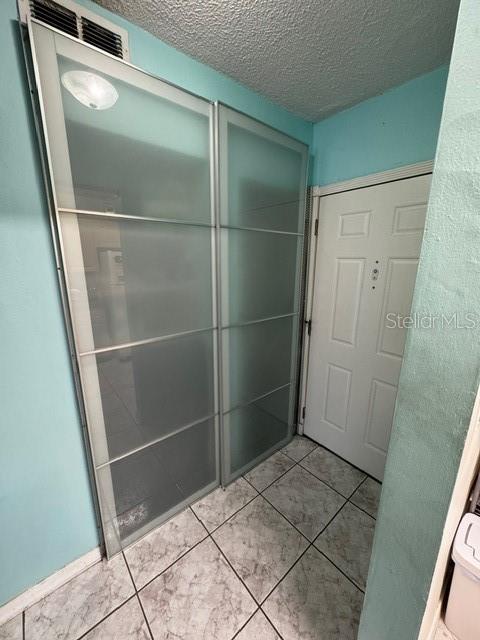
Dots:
pixel 440 372
pixel 168 63
pixel 396 128
pixel 46 510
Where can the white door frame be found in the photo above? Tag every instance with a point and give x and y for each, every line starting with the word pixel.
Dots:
pixel 400 173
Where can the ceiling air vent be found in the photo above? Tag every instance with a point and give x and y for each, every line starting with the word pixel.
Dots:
pixel 102 38
pixel 55 15
pixel 74 20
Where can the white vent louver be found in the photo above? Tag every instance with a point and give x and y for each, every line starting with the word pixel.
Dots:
pixel 78 22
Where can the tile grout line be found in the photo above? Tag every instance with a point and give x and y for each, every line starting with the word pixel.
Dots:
pixel 268 618
pixel 356 505
pixel 245 624
pixel 140 603
pixel 172 563
pixel 233 514
pixel 344 460
pixel 311 543
pixel 284 473
pixel 110 613
pixel 209 535
pixel 258 605
pixel 235 572
pixel 312 474
pixel 318 446
pixel 260 493
pixel 137 594
pixel 285 518
pixel 297 464
pixel 346 500
pixel 340 570
pixel 330 486
pixel 363 510
pixel 303 457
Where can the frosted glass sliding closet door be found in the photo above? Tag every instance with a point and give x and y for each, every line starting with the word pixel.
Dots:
pixel 131 166
pixel 262 212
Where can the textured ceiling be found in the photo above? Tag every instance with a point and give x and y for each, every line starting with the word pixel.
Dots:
pixel 314 57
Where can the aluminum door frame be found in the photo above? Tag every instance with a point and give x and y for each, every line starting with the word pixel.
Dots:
pixel 48 169
pixel 223 472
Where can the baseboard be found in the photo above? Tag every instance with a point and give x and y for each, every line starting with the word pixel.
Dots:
pixel 48 585
pixel 431 632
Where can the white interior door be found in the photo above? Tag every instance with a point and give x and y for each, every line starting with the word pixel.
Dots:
pixel 367 253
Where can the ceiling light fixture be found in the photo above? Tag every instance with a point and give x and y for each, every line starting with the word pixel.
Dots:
pixel 91 90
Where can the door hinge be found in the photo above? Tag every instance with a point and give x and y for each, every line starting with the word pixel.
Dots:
pixel 303 413
pixel 309 327
pixel 315 232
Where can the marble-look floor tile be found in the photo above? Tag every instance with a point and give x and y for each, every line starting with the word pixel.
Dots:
pixel 334 471
pixel 367 496
pixel 304 500
pixel 299 447
pixel 13 629
pixel 219 505
pixel 261 546
pixel 347 541
pixel 198 597
pixel 315 601
pixel 258 628
pixel 159 549
pixel 269 470
pixel 79 604
pixel 127 622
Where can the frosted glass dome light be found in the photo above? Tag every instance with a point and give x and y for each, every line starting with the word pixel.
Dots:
pixel 91 90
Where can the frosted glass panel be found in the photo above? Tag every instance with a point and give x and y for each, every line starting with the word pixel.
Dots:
pixel 144 156
pixel 262 275
pixel 151 390
pixel 132 186
pixel 266 182
pixel 262 207
pixel 254 429
pixel 259 358
pixel 143 279
pixel 149 484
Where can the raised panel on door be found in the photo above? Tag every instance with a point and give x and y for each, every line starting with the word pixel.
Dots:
pixel 397 302
pixel 346 306
pixel 366 262
pixel 380 413
pixel 337 396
